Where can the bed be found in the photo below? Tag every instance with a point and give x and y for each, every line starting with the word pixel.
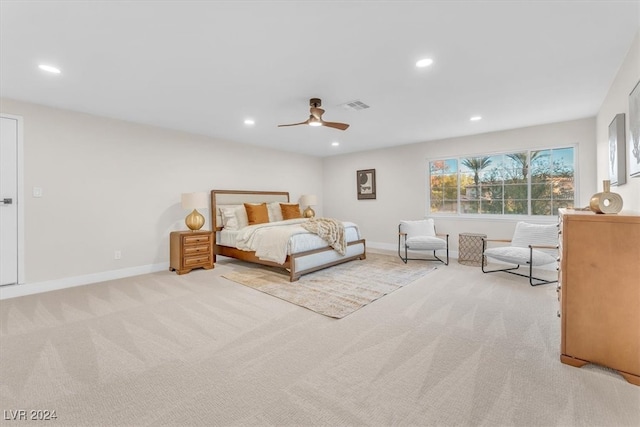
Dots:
pixel 305 252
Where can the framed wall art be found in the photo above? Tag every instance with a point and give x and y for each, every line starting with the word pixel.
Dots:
pixel 634 132
pixel 366 180
pixel 617 151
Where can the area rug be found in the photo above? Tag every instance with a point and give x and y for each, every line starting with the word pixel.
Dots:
pixel 336 291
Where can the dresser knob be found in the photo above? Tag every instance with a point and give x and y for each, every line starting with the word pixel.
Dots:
pixel 558 313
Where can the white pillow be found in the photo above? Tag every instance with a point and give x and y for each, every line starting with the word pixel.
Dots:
pixel 275 213
pixel 527 234
pixel 234 217
pixel 241 216
pixel 228 217
pixel 423 227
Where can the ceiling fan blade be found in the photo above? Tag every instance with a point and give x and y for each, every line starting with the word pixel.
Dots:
pixel 317 112
pixel 315 118
pixel 306 122
pixel 341 126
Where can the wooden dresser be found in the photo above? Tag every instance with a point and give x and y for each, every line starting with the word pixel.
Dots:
pixel 189 250
pixel 599 291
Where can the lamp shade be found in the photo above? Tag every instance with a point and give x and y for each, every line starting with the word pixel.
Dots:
pixel 309 200
pixel 194 200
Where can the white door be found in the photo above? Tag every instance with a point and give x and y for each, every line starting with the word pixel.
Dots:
pixel 8 201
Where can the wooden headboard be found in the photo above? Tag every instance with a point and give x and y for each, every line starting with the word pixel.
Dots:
pixel 221 198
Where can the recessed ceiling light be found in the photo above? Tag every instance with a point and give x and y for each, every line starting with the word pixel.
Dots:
pixel 335 143
pixel 475 118
pixel 424 62
pixel 249 122
pixel 49 68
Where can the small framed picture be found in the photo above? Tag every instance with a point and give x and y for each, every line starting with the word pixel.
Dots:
pixel 617 151
pixel 366 180
pixel 634 132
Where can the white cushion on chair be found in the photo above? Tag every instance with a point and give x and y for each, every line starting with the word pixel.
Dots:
pixel 426 243
pixel 535 234
pixel 519 255
pixel 423 227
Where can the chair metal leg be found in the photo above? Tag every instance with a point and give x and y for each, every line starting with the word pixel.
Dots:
pixel 530 276
pixel 435 258
pixel 406 251
pixel 539 281
pixel 405 259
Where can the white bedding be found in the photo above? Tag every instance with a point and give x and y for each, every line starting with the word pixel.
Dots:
pixel 273 241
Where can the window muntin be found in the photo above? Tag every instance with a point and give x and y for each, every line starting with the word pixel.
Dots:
pixel 528 182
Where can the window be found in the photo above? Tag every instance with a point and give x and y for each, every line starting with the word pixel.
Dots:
pixel 528 182
pixel 444 185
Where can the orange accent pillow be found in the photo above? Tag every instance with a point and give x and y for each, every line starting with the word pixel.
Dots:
pixel 257 214
pixel 290 211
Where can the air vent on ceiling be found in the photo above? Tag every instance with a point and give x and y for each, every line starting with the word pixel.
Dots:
pixel 355 106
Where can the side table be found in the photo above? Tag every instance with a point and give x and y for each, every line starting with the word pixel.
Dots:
pixel 189 250
pixel 470 249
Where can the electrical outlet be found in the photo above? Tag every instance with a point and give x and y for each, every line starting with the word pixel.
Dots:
pixel 117 255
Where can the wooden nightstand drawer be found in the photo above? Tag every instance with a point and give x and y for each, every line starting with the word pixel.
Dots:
pixel 189 250
pixel 190 239
pixel 193 261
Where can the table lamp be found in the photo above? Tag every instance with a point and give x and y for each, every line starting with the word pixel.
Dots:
pixel 194 220
pixel 309 200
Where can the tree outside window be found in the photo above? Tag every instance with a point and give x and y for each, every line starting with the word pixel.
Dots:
pixel 535 182
pixel 444 185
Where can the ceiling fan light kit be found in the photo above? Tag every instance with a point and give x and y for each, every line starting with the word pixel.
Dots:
pixel 315 118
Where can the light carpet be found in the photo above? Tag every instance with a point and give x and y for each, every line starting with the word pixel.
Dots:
pixel 454 348
pixel 337 291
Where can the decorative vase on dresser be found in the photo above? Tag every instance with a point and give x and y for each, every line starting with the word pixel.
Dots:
pixel 599 291
pixel 189 250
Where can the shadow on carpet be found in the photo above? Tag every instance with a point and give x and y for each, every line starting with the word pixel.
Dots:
pixel 336 291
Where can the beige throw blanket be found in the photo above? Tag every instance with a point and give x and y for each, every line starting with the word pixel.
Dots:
pixel 330 230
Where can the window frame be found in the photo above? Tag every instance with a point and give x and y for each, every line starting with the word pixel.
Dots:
pixel 486 216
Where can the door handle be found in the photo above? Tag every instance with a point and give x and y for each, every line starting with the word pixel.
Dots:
pixel 6 201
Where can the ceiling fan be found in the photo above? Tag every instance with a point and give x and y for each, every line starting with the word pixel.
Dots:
pixel 315 118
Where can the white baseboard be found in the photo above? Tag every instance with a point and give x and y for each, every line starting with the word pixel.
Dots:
pixel 12 291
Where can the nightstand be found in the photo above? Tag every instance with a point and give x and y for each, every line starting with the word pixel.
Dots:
pixel 189 250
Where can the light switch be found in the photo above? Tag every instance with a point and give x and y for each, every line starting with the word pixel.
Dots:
pixel 37 192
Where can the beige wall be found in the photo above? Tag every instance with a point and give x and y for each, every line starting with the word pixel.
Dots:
pixel 617 101
pixel 401 179
pixel 112 185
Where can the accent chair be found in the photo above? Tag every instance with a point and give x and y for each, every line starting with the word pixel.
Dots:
pixel 532 245
pixel 420 235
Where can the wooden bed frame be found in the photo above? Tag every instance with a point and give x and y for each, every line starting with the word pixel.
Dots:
pixel 297 264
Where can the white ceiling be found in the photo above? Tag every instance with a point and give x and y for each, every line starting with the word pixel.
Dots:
pixel 205 66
